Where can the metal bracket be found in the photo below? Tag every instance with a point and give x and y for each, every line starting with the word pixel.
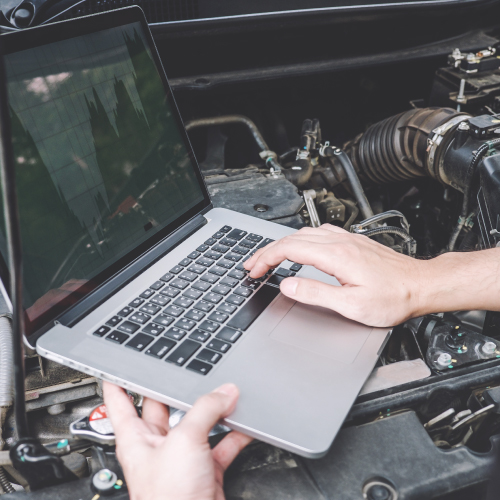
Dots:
pixel 309 197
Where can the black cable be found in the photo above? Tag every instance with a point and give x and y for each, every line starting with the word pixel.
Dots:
pixel 13 237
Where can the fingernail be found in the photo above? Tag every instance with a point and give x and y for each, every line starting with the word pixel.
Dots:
pixel 289 286
pixel 227 389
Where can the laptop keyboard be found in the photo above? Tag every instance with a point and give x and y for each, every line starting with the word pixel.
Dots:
pixel 194 314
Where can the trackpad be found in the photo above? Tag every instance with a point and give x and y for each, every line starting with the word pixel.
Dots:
pixel 322 332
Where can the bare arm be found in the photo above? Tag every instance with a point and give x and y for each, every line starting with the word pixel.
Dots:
pixel 379 286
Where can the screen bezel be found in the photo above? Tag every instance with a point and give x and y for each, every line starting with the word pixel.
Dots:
pixel 43 35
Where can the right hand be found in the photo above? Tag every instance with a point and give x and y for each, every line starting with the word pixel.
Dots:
pixel 380 287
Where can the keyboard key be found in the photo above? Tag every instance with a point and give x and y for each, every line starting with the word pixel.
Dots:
pixel 113 321
pixel 199 336
pixel 183 352
pixel 183 302
pixel 202 248
pixel 281 271
pixel 173 310
pixel 228 335
pixel 225 229
pixel 150 308
pixel 213 255
pixel 251 283
pixel 140 318
pixel 192 294
pixel 125 311
pixel 247 244
pixel 221 289
pixel 195 315
pixel 176 269
pixel 188 276
pixel 203 261
pixel 218 345
pixel 214 298
pixel 209 326
pixel 218 271
pixel 101 331
pixel 233 256
pixel 243 291
pixel 194 255
pixel 235 299
pixel 156 285
pixel 146 294
pixel 185 324
pixel 117 337
pixel 204 306
pixel 254 237
pixel 240 250
pixel 162 320
pixel 229 282
pixel 175 333
pixel 253 308
pixel 170 292
pixel 295 267
pixel 153 329
pixel 241 267
pixel 275 280
pixel 226 308
pixel 136 302
pixel 139 342
pixel 220 248
pixel 196 268
pixel 210 241
pixel 160 348
pixel 210 356
pixel 160 300
pixel 218 316
pixel 199 367
pixel 264 243
pixel 201 285
pixel 210 278
pixel 180 284
pixel 217 235
pixel 226 264
pixel 237 274
pixel 185 262
pixel 227 242
pixel 236 234
pixel 167 277
pixel 128 327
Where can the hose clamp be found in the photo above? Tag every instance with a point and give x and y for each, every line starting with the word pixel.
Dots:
pixel 437 139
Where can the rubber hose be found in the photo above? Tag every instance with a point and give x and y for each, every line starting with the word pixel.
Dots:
pixel 354 213
pixel 357 188
pixel 299 177
pixel 388 230
pixel 395 149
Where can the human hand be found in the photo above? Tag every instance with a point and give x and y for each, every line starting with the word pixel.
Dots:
pixel 160 463
pixel 380 287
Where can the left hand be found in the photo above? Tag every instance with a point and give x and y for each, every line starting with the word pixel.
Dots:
pixel 176 464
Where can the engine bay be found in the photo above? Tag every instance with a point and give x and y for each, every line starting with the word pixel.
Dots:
pixel 407 154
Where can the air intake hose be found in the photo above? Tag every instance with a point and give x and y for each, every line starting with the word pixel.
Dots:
pixel 399 148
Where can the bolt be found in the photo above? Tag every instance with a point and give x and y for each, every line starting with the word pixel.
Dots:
pixel 379 492
pixel 444 359
pixel 489 347
pixel 463 125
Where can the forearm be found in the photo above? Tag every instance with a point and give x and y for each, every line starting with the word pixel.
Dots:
pixel 460 281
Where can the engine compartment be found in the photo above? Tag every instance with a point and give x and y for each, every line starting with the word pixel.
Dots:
pixel 421 107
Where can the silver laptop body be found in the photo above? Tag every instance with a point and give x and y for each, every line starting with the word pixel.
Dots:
pixel 154 318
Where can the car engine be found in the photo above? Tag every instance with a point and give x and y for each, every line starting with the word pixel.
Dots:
pixel 418 170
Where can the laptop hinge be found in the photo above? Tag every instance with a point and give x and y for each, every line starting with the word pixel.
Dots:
pixel 96 298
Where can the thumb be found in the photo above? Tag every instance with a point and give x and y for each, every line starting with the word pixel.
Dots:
pixel 312 292
pixel 208 410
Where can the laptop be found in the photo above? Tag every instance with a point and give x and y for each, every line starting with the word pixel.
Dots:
pixel 130 274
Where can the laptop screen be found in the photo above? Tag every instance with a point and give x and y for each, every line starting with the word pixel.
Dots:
pixel 102 163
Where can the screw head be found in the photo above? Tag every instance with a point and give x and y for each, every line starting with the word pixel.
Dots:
pixel 444 359
pixel 489 347
pixel 379 492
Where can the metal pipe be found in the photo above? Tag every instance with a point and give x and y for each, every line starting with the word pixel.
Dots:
pixel 270 157
pixel 13 237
